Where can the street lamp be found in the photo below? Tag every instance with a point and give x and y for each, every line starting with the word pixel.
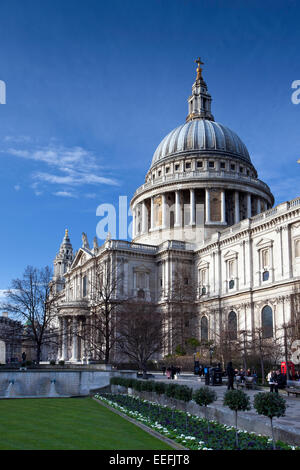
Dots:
pixel 244 333
pixel 211 351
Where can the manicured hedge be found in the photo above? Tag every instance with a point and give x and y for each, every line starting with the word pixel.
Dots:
pixel 189 430
pixel 180 392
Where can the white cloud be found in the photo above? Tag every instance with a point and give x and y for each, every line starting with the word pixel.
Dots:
pixel 64 194
pixel 71 167
pixel 17 187
pixel 17 139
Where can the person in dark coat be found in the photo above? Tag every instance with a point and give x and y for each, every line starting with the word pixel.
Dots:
pixel 279 380
pixel 230 375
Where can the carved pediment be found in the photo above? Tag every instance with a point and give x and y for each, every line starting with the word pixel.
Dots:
pixel 81 257
pixel 141 269
pixel 203 264
pixel 296 228
pixel 264 243
pixel 230 254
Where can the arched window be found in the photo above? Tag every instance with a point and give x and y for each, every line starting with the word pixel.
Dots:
pixel 141 294
pixel 265 276
pixel 232 325
pixel 204 329
pixel 267 322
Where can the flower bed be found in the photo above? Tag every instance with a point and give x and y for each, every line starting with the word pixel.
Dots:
pixel 186 429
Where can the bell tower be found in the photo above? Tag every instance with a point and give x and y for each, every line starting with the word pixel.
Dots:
pixel 63 261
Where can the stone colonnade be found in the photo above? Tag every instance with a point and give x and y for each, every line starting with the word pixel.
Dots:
pixel 73 344
pixel 143 224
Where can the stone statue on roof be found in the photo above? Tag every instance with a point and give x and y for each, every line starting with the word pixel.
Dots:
pixel 85 243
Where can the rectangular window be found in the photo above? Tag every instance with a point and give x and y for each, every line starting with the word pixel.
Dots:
pixel 199 164
pixel 232 167
pixel 167 169
pixel 176 167
pixel 211 164
pixel 222 165
pixel 187 166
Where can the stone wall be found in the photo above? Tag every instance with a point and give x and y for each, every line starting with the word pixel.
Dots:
pixel 250 423
pixel 55 383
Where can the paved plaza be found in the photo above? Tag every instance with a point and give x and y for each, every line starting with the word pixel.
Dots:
pixel 289 423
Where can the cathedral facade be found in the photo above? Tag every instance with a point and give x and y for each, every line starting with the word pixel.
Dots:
pixel 202 219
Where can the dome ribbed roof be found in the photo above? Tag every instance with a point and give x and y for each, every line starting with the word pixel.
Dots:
pixel 201 136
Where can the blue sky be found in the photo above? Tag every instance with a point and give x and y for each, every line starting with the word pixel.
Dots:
pixel 93 87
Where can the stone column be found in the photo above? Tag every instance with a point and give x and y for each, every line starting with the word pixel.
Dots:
pixel 223 207
pixel 192 207
pixel 60 341
pixel 133 223
pixel 134 284
pixel 258 207
pixel 126 278
pixel 166 284
pixel 177 209
pixel 87 338
pixel 152 213
pixel 164 211
pixel 207 206
pixel 236 207
pixel 64 339
pixel 74 339
pixel 249 213
pixel 144 218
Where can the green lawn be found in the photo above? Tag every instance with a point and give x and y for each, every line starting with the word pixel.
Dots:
pixel 68 423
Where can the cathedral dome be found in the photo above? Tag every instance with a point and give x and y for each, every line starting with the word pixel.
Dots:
pixel 201 136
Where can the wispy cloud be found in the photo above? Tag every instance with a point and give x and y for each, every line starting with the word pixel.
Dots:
pixel 70 168
pixel 64 194
pixel 17 139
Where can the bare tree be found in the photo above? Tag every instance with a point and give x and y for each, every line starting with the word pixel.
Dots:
pixel 99 332
pixel 267 348
pixel 140 332
pixel 294 324
pixel 226 346
pixel 182 312
pixel 291 329
pixel 31 301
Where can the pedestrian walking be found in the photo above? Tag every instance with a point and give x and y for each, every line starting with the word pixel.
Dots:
pixel 230 375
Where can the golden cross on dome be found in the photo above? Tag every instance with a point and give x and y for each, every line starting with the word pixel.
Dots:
pixel 199 69
pixel 66 232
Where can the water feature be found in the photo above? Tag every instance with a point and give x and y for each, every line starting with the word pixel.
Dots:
pixel 54 383
pixel 52 391
pixel 9 390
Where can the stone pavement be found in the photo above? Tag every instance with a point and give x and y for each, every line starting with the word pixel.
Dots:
pixel 286 428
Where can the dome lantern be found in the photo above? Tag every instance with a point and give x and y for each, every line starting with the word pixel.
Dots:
pixel 200 100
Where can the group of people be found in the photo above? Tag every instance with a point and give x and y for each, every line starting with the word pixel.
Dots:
pixel 276 380
pixel 242 373
pixel 170 372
